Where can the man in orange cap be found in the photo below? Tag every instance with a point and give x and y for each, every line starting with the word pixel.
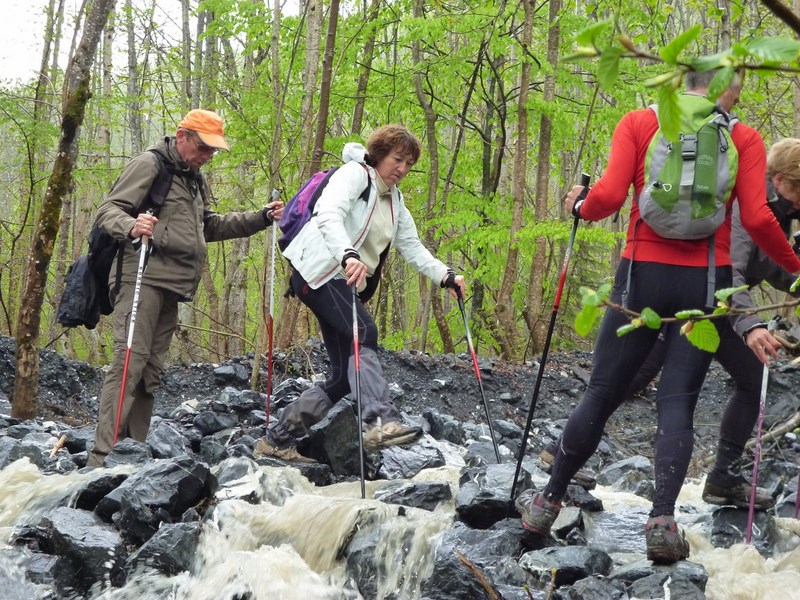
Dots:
pixel 179 233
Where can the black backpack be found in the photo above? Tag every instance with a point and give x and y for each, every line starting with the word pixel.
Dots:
pixel 86 291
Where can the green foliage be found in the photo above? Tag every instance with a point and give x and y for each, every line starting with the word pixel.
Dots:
pixel 702 334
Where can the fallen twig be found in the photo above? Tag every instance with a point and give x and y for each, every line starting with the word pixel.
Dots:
pixel 493 595
pixel 59 445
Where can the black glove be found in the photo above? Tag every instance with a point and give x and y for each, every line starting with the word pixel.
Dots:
pixel 266 212
pixel 576 208
pixel 450 280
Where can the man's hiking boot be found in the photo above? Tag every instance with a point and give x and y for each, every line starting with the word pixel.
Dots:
pixel 392 433
pixel 538 513
pixel 666 542
pixel 264 447
pixel 581 478
pixel 736 494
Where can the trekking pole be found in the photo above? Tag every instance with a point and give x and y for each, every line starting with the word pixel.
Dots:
pixel 276 193
pixel 357 367
pixel 143 253
pixel 562 278
pixel 757 453
pixel 477 371
pixel 797 497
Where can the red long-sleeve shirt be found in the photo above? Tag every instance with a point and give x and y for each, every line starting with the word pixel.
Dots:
pixel 626 166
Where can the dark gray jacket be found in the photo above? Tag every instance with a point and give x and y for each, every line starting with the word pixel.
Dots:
pixel 185 223
pixel 751 266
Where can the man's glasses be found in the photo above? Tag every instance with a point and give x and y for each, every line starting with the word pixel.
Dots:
pixel 201 147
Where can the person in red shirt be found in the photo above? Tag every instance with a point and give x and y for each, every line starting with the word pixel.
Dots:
pixel 667 275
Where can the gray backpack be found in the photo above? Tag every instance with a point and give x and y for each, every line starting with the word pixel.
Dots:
pixel 688 182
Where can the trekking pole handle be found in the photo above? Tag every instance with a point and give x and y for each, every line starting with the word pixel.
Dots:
pixel 585 179
pixel 146 238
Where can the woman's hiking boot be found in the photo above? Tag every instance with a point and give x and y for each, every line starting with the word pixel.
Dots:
pixel 581 478
pixel 538 513
pixel 735 492
pixel 392 433
pixel 266 447
pixel 666 542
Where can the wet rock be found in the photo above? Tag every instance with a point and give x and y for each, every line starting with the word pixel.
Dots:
pixel 94 550
pixel 404 462
pixel 424 495
pixel 128 452
pixel 594 588
pixel 241 401
pixel 334 441
pixel 684 569
pixel 566 565
pixel 165 441
pixel 661 585
pixel 159 492
pixel 628 475
pixel 444 427
pixel 171 550
pixel 234 372
pixel 729 527
pixel 97 489
pixel 78 439
pixel 484 495
pixel 212 451
pixel 492 552
pixel 208 422
pixel 11 450
pixel 48 569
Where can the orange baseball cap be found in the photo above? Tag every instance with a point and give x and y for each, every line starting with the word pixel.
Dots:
pixel 208 125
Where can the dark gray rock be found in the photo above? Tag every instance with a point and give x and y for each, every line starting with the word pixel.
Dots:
pixel 171 550
pixel 165 441
pixel 684 569
pixel 425 495
pixel 566 564
pixel 444 427
pixel 208 422
pixel 658 585
pixel 593 588
pixel 128 451
pixel 404 462
pixel 483 498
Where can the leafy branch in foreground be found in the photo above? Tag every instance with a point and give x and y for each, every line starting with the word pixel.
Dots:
pixel 764 54
pixel 697 325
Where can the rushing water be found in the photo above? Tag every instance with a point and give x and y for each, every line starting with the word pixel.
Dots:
pixel 289 545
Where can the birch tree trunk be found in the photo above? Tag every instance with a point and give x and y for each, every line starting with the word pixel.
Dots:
pixel 134 108
pixel 314 18
pixel 76 92
pixel 363 77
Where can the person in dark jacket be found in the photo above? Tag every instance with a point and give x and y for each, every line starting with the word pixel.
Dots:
pixel 185 223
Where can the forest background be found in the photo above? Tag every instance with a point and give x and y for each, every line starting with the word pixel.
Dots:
pixel 506 123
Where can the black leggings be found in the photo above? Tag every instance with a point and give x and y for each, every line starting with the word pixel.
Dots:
pixel 332 305
pixel 666 289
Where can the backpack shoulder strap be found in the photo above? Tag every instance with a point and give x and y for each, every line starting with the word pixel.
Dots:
pixel 162 183
pixel 365 194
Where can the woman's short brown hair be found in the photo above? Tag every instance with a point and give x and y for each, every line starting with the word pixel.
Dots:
pixel 392 137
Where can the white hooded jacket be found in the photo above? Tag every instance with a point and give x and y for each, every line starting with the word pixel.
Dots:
pixel 341 221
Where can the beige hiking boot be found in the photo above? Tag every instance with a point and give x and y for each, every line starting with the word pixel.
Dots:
pixel 392 433
pixel 290 454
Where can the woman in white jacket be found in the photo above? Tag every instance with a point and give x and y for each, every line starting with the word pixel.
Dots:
pixel 345 243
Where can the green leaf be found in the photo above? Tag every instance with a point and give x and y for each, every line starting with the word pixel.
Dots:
pixel 726 293
pixel 626 329
pixel 704 335
pixel 671 51
pixel 585 319
pixel 795 285
pixel 721 310
pixel 608 69
pixel 721 82
pixel 669 113
pixel 663 79
pixel 774 50
pixel 710 62
pixel 651 318
pixel 589 297
pixel 588 37
pixel 686 314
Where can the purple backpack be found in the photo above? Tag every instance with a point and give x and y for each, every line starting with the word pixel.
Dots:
pixel 300 208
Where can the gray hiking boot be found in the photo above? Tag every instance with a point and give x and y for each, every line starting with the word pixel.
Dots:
pixel 666 542
pixel 581 478
pixel 736 494
pixel 265 447
pixel 538 513
pixel 392 433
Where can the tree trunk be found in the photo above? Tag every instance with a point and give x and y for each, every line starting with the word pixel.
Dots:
pixel 134 118
pixel 537 326
pixel 76 94
pixel 314 18
pixel 508 337
pixel 325 88
pixel 363 77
